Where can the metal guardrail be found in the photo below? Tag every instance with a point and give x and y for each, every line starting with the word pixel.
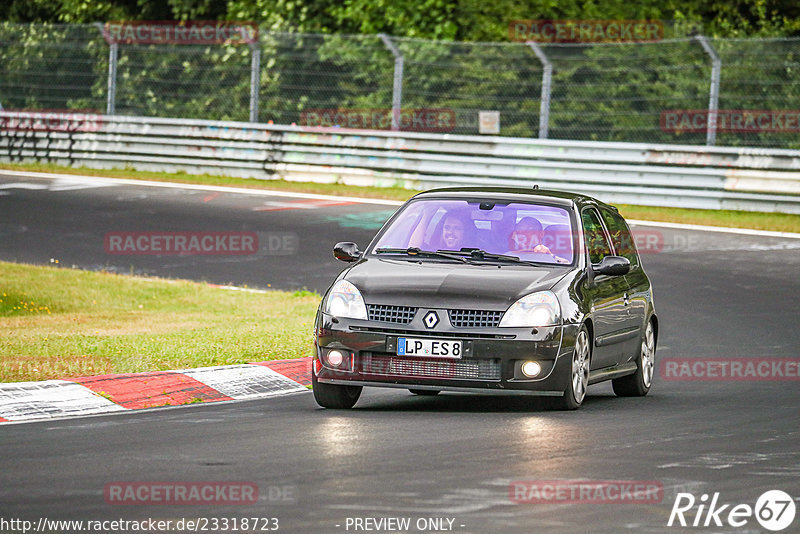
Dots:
pixel 750 179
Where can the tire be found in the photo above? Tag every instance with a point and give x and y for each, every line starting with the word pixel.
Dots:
pixel 334 396
pixel 638 384
pixel 575 392
pixel 424 392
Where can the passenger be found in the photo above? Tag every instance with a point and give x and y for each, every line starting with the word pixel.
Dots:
pixel 558 238
pixel 527 237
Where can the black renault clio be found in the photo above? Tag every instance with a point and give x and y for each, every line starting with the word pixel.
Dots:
pixel 494 290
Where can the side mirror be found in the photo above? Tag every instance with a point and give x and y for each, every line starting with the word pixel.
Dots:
pixel 346 251
pixel 612 266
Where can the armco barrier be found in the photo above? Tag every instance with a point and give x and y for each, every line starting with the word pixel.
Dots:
pixel 657 175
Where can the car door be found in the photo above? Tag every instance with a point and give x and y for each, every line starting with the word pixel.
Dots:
pixel 606 295
pixel 638 284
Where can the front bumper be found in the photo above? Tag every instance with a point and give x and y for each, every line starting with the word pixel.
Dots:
pixel 490 362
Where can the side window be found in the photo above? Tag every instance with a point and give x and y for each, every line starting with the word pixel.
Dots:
pixel 621 236
pixel 596 242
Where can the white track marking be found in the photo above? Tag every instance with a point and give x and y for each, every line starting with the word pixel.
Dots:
pixel 21 401
pixel 727 230
pixel 71 185
pixel 23 185
pixel 199 187
pixel 244 381
pixel 59 184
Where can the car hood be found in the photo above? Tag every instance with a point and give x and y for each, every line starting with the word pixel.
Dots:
pixel 449 285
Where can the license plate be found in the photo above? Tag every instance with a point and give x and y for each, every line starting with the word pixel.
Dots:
pixel 436 348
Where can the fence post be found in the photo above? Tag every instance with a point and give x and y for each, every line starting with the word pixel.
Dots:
pixel 255 79
pixel 547 76
pixel 713 99
pixel 113 56
pixel 397 88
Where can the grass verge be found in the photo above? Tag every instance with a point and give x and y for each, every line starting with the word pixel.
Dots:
pixel 778 222
pixel 60 323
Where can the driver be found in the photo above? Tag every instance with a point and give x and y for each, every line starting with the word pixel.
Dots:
pixel 452 232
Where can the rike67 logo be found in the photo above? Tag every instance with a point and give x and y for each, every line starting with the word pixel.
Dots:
pixel 774 510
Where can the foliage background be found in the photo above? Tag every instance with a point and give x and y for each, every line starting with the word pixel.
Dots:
pixel 460 20
pixel 458 55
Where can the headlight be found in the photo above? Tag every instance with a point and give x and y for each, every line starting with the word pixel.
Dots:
pixel 536 309
pixel 344 300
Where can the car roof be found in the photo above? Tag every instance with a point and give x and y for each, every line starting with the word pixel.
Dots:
pixel 514 193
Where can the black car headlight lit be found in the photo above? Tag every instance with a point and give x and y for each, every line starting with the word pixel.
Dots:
pixel 533 310
pixel 345 300
pixel 337 359
pixel 531 369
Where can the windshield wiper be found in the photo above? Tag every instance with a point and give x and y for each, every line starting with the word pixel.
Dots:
pixel 416 251
pixel 477 254
pixel 465 255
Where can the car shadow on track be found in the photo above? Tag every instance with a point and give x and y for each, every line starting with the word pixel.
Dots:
pixel 454 403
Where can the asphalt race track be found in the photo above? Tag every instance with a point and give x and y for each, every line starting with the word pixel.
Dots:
pixel 68 220
pixel 454 457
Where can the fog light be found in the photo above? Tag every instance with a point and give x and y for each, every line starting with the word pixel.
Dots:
pixel 531 369
pixel 335 358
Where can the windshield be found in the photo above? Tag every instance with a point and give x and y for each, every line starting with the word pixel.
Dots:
pixel 531 232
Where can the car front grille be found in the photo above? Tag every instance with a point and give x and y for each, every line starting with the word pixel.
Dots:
pixel 430 334
pixel 390 314
pixel 474 318
pixel 372 364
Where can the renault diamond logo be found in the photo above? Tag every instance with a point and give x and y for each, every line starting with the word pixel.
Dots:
pixel 431 319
